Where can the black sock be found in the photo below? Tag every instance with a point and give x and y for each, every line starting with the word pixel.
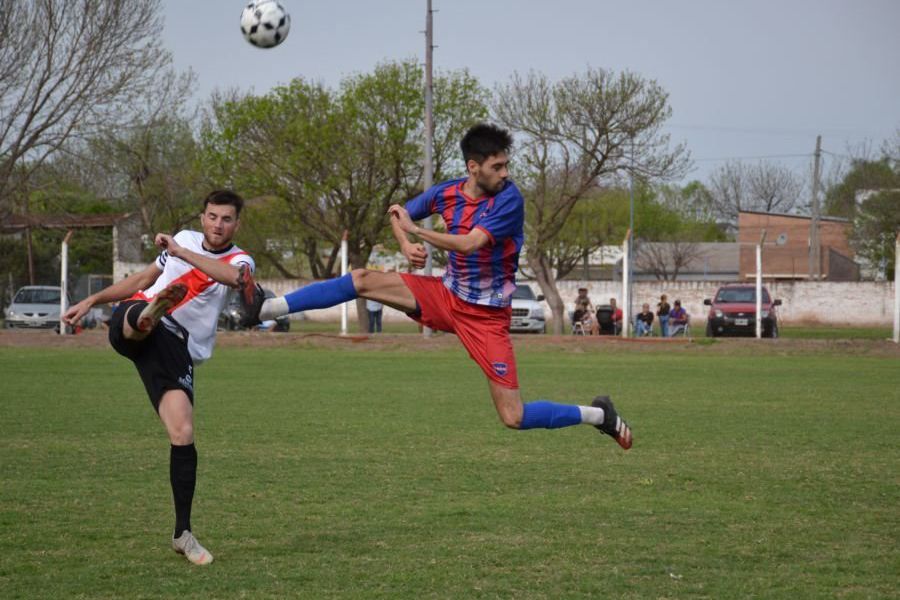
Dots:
pixel 134 311
pixel 183 475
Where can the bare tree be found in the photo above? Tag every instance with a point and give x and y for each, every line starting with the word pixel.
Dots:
pixel 69 66
pixel 666 259
pixel 764 187
pixel 574 135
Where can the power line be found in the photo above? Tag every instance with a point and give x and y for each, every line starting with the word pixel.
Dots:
pixel 721 158
pixel 838 132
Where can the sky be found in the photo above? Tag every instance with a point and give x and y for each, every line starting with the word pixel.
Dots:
pixel 752 80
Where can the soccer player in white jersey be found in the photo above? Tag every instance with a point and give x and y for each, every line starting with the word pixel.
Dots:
pixel 168 323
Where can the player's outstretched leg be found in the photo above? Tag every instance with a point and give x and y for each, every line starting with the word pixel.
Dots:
pixel 322 294
pixel 543 414
pixel 156 308
pixel 613 425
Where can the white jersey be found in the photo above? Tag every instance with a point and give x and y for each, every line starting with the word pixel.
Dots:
pixel 205 299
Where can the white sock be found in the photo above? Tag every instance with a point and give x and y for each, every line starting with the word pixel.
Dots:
pixel 592 415
pixel 273 308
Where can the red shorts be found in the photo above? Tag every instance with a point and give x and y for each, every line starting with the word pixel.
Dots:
pixel 483 330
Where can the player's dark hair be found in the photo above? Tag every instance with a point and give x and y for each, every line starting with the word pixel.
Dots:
pixel 483 141
pixel 224 198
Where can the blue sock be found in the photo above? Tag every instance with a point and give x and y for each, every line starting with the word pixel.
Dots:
pixel 549 415
pixel 322 294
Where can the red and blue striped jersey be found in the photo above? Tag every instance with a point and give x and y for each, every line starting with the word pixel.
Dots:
pixel 488 275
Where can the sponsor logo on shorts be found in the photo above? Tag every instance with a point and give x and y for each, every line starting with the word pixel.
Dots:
pixel 188 380
pixel 500 368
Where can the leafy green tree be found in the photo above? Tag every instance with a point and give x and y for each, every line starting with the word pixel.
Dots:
pixel 869 195
pixel 600 219
pixel 863 176
pixel 339 158
pixel 876 225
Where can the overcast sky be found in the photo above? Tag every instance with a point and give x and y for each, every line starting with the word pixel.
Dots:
pixel 746 79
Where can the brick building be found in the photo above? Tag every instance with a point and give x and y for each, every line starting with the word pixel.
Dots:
pixel 790 260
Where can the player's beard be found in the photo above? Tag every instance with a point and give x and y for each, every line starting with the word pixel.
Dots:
pixel 489 189
pixel 213 244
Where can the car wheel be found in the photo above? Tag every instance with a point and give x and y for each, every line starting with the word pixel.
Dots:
pixel 709 330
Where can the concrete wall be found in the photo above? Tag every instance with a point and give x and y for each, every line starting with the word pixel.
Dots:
pixel 832 303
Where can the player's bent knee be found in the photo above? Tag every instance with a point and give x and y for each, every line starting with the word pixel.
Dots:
pixel 182 434
pixel 510 418
pixel 361 280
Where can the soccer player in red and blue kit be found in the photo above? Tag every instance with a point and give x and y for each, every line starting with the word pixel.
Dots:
pixel 484 215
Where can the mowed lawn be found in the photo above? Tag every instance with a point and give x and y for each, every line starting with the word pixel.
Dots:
pixel 384 473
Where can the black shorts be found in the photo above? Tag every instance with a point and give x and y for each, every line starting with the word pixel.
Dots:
pixel 162 358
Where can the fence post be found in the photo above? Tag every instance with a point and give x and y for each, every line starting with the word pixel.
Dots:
pixel 897 291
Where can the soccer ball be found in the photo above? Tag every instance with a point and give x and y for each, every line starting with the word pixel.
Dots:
pixel 265 23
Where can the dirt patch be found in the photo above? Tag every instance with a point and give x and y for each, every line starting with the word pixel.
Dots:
pixel 567 343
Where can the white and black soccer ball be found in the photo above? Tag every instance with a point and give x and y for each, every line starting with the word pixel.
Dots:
pixel 265 23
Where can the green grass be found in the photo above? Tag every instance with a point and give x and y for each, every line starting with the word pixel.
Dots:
pixel 836 333
pixel 787 331
pixel 404 326
pixel 365 472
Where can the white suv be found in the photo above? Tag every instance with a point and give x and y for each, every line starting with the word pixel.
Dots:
pixel 527 311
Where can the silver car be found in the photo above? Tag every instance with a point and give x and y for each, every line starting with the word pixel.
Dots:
pixel 34 307
pixel 527 311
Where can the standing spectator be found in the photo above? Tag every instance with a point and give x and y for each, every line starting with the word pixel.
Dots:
pixel 662 311
pixel 679 318
pixel 374 309
pixel 616 317
pixel 584 313
pixel 643 324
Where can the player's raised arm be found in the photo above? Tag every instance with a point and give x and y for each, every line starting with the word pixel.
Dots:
pixel 114 293
pixel 414 253
pixel 224 273
pixel 464 244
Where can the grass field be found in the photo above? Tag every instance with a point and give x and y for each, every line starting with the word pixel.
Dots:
pixel 345 470
pixel 786 331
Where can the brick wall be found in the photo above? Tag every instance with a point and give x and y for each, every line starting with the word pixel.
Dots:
pixel 790 260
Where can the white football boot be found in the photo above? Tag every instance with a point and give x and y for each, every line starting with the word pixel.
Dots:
pixel 188 545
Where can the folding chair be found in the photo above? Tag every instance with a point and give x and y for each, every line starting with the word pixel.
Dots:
pixel 682 330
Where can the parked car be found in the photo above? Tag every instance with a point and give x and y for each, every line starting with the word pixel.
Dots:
pixel 733 311
pixel 230 317
pixel 34 307
pixel 527 311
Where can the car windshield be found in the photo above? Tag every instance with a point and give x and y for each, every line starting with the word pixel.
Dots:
pixel 37 296
pixel 739 296
pixel 523 292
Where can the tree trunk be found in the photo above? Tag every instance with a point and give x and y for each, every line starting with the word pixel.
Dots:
pixel 543 272
pixel 362 315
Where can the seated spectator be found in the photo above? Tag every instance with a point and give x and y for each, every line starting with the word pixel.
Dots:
pixel 678 320
pixel 643 323
pixel 616 316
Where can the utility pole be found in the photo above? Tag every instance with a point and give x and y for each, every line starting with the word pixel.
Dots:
pixel 429 131
pixel 814 252
pixel 630 241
